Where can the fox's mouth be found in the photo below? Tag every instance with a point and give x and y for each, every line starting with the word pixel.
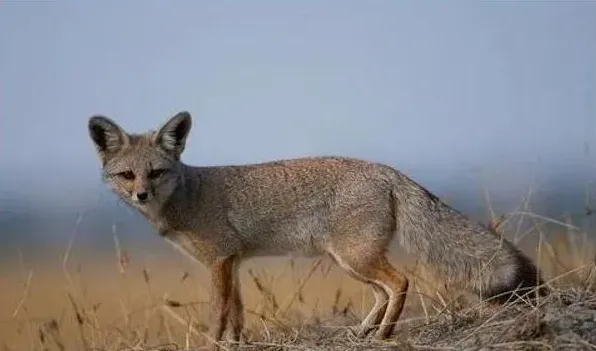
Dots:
pixel 143 207
pixel 137 202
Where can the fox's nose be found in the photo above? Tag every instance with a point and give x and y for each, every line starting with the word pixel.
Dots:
pixel 142 196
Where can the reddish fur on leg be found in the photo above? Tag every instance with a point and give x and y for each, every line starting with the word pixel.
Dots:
pixel 221 289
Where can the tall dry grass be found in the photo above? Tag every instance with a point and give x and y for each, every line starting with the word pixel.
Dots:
pixel 132 302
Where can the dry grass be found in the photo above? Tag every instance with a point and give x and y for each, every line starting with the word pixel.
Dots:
pixel 158 302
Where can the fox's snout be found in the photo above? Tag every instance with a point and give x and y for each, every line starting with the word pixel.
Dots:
pixel 141 193
pixel 141 196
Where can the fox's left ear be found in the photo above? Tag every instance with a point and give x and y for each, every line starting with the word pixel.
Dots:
pixel 172 135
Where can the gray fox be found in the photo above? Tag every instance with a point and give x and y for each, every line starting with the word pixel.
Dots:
pixel 343 207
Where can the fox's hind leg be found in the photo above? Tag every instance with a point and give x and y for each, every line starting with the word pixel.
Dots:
pixel 389 286
pixel 396 285
pixel 375 315
pixel 381 298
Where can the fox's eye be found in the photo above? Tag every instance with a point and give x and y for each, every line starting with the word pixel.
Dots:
pixel 128 175
pixel 156 173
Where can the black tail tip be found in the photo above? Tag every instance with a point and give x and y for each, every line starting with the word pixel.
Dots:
pixel 528 291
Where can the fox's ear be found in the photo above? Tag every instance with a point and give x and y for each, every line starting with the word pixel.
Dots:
pixel 107 136
pixel 172 135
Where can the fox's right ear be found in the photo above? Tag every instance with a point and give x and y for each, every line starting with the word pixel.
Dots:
pixel 107 136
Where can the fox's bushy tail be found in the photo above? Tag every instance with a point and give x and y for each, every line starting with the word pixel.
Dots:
pixel 461 251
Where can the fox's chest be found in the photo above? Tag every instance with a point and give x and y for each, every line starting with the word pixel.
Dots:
pixel 194 246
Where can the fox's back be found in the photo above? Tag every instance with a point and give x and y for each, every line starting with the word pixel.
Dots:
pixel 295 183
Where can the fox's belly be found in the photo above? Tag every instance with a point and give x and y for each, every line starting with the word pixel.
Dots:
pixel 301 235
pixel 285 247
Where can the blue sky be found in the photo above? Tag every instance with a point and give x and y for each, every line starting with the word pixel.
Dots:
pixel 437 89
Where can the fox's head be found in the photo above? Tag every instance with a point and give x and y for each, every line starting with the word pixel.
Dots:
pixel 143 169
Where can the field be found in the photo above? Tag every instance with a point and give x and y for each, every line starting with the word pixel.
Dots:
pixel 122 300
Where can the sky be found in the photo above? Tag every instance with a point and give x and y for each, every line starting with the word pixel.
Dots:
pixel 448 92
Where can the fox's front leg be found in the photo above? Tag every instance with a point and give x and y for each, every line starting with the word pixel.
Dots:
pixel 222 281
pixel 236 316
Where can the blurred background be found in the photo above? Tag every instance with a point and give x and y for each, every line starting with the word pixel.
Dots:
pixel 486 102
pixel 466 98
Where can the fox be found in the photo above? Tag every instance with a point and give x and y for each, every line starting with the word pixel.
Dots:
pixel 348 209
